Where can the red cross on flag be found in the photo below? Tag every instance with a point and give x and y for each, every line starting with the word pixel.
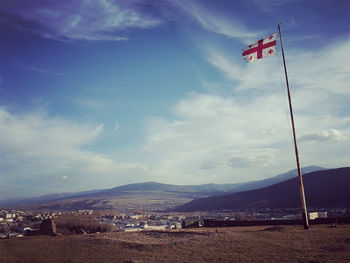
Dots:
pixel 263 48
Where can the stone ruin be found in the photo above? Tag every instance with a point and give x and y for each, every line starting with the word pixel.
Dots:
pixel 47 227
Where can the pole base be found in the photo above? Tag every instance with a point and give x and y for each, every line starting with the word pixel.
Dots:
pixel 305 221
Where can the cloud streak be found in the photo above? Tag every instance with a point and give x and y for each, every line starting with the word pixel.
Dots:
pixel 100 20
pixel 39 70
pixel 215 22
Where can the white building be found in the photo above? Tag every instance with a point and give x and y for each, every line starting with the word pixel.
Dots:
pixel 132 229
pixel 314 215
pixel 163 227
pixel 136 217
pixel 8 215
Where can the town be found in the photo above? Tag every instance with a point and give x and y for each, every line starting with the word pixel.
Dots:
pixel 17 223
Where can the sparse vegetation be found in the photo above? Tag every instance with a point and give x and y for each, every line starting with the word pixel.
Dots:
pixel 68 224
pixel 241 244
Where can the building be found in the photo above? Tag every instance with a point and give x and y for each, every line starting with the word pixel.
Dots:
pixel 314 215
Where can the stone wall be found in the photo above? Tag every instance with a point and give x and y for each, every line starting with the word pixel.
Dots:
pixel 48 227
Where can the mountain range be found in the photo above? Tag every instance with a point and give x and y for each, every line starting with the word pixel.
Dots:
pixel 145 196
pixel 323 189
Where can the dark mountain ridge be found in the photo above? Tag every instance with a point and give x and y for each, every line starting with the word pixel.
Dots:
pixel 326 188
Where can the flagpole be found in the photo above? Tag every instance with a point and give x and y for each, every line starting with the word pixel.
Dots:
pixel 301 185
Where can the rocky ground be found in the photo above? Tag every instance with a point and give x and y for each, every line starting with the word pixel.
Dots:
pixel 240 244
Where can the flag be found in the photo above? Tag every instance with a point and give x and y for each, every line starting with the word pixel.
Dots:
pixel 263 48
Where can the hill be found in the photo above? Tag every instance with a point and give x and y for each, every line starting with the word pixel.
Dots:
pixel 288 244
pixel 251 185
pixel 326 188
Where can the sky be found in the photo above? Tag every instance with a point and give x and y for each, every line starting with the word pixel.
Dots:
pixel 100 93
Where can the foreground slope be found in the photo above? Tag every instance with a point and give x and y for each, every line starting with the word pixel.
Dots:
pixel 327 188
pixel 241 244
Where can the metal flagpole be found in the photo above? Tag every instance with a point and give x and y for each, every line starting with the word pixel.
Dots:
pixel 301 185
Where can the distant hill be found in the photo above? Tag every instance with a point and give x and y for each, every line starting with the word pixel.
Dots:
pixel 145 196
pixel 207 189
pixel 326 188
pixel 142 196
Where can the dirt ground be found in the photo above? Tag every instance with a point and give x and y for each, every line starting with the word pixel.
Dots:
pixel 240 244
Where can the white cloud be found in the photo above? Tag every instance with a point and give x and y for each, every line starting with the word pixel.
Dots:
pixel 116 126
pixel 47 145
pixel 225 64
pixel 326 69
pixel 210 134
pixel 323 71
pixel 41 153
pixel 253 158
pixel 223 139
pixel 270 6
pixel 215 22
pixel 262 75
pixel 91 104
pixel 98 20
pixel 330 135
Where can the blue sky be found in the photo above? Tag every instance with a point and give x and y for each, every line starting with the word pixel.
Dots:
pixel 96 94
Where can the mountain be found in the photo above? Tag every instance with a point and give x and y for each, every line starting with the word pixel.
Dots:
pixel 274 180
pixel 197 190
pixel 143 196
pixel 326 188
pixel 154 186
pixel 146 196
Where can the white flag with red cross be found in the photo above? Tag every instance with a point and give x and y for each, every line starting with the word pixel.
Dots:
pixel 263 48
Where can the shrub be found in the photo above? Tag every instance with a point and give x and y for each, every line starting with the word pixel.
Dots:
pixel 72 224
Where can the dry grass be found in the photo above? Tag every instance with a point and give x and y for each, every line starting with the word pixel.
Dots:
pixel 240 244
